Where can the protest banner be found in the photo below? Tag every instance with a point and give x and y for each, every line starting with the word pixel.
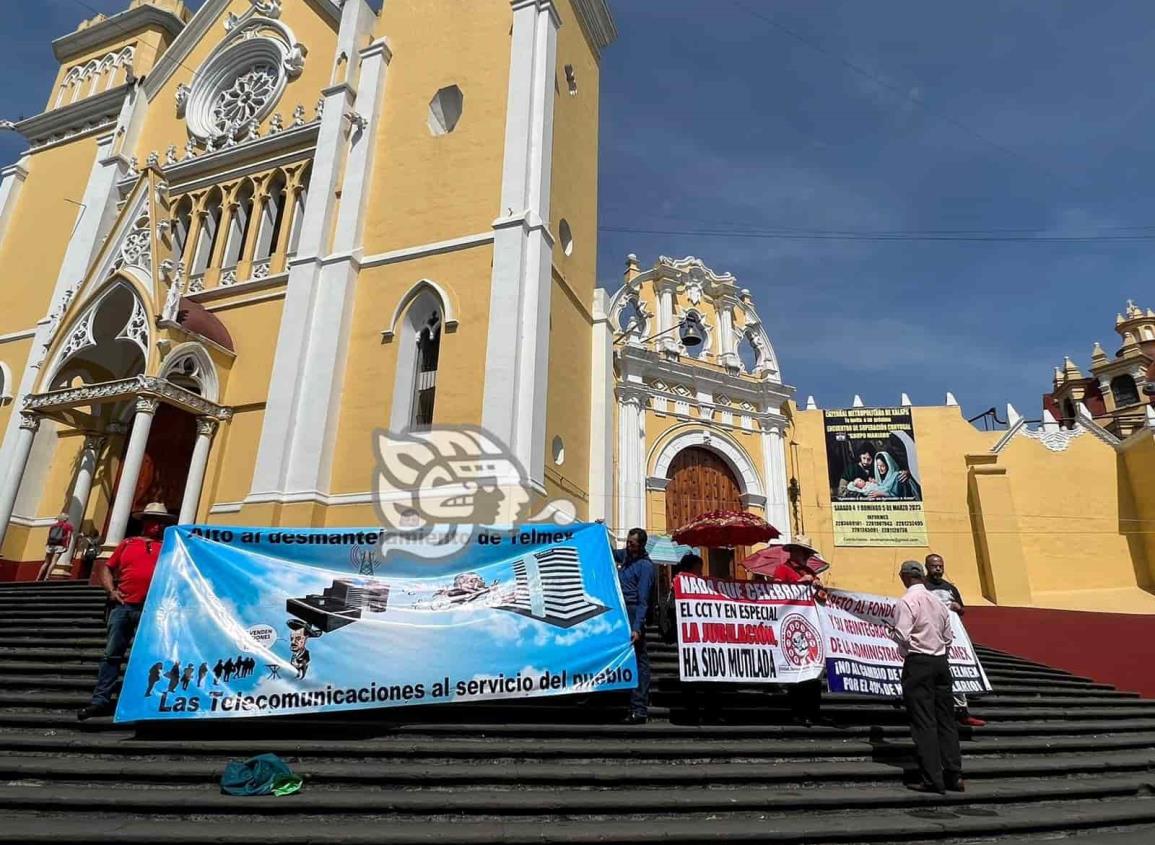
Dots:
pixel 248 622
pixel 875 487
pixel 861 657
pixel 746 631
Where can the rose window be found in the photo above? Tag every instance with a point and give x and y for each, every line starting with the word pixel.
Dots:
pixel 239 104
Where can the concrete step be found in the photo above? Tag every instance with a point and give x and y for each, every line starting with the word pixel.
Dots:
pixel 380 773
pixel 58 799
pixel 415 743
pixel 1080 806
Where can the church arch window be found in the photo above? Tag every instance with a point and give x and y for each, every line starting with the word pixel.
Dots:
pixel 238 225
pixel 632 317
pixel 272 218
pixel 1124 390
pixel 206 241
pixel 189 366
pixel 422 318
pixel 108 341
pixel 182 224
pixel 298 217
pixel 425 379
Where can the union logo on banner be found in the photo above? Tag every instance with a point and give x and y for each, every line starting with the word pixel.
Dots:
pixel 801 641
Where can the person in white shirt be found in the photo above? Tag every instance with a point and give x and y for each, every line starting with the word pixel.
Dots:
pixel 923 633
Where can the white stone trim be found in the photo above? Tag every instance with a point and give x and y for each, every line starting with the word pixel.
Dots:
pixel 23 334
pixel 423 250
pixel 448 315
pixel 210 383
pixel 601 469
pixel 198 27
pixel 596 22
pixel 517 351
pixel 33 521
pixel 83 117
pixel 114 26
pixel 301 418
pixel 11 181
pixel 719 443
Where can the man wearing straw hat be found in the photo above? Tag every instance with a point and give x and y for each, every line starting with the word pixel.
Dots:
pixel 133 562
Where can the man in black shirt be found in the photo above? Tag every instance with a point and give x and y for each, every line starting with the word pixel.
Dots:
pixel 949 595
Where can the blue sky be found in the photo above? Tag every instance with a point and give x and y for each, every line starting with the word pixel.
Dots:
pixel 1022 121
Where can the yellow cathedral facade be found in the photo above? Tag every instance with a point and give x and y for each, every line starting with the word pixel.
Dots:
pixel 243 239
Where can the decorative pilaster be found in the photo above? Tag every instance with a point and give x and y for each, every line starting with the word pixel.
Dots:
pixel 777 478
pixel 517 352
pixel 130 469
pixel 631 458
pixel 22 448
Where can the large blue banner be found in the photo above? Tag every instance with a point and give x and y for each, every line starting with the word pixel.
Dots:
pixel 270 621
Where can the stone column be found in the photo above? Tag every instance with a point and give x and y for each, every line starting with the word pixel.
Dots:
pixel 130 470
pixel 631 459
pixel 82 489
pixel 206 428
pixel 776 478
pixel 22 448
pixel 665 289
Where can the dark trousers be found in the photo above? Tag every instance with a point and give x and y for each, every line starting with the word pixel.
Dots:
pixel 926 691
pixel 640 695
pixel 122 622
pixel 805 699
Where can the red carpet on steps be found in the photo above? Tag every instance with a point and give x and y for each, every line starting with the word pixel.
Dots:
pixel 1112 648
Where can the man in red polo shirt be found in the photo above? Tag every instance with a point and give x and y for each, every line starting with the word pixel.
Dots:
pixel 133 563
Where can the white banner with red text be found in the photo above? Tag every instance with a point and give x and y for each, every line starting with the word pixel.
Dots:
pixel 861 657
pixel 746 631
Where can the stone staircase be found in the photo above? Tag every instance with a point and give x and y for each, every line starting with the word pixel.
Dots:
pixel 1061 755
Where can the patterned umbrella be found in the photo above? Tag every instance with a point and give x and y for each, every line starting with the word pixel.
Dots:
pixel 725 528
pixel 769 559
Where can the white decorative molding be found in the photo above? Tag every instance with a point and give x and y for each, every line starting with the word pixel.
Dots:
pixel 444 304
pixel 423 250
pixel 244 76
pixel 748 478
pixel 90 114
pixel 93 36
pixel 1055 441
pixel 596 22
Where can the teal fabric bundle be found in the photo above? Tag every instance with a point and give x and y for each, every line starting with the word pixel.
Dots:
pixel 265 774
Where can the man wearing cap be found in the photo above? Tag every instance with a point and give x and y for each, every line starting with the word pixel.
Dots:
pixel 636 576
pixel 133 563
pixel 923 633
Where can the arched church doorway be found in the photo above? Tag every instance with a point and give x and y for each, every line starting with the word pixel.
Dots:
pixel 701 481
pixel 165 467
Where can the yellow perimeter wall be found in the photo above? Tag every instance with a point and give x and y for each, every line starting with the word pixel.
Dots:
pixel 1024 526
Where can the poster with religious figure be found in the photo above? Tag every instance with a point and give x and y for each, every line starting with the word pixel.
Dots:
pixel 875 483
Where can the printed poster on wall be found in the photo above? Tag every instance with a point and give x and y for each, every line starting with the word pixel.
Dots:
pixel 260 621
pixel 875 487
pixel 746 631
pixel 862 658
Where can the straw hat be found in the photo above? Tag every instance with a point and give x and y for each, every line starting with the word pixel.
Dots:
pixel 155 511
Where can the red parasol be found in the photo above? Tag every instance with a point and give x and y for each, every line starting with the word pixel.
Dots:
pixel 771 557
pixel 725 528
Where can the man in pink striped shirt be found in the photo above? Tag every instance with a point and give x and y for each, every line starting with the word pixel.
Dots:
pixel 923 633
